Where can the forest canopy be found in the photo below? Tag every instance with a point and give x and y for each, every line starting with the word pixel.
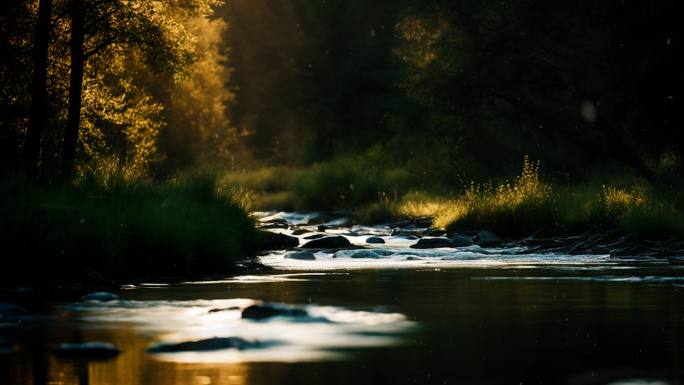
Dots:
pixel 153 87
pixel 456 89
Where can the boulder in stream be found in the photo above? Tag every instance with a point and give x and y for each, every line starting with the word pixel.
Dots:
pixel 358 254
pixel 432 232
pixel 302 256
pixel 375 240
pixel 263 312
pixel 276 241
pixel 209 344
pixel 336 242
pixel 432 243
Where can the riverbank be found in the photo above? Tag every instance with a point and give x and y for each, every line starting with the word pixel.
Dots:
pixel 102 229
pixel 514 208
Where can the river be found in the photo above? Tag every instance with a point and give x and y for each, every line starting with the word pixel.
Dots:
pixel 397 315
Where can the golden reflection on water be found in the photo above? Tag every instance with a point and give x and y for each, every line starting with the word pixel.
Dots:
pixel 136 367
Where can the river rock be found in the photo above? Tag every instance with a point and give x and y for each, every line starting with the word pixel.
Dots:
pixel 406 233
pixel 461 240
pixel 375 240
pixel 92 350
pixel 365 254
pixel 432 243
pixel 336 242
pixel 265 311
pixel 302 256
pixel 487 239
pixel 384 252
pixel 101 296
pixel 357 254
pixel 276 241
pixel 209 344
pixel 432 232
pixel 300 231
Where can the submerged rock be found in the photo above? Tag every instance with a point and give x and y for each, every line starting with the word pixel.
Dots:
pixel 432 243
pixel 487 239
pixel 209 344
pixel 276 241
pixel 461 240
pixel 365 254
pixel 101 296
pixel 375 240
pixel 302 256
pixel 92 350
pixel 358 254
pixel 300 231
pixel 336 242
pixel 383 252
pixel 265 311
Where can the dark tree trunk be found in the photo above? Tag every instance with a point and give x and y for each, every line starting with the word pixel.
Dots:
pixel 75 88
pixel 39 111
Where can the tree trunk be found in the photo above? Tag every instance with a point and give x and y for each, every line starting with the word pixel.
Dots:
pixel 75 88
pixel 39 111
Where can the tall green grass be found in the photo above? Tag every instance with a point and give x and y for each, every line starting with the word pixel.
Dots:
pixel 378 188
pixel 343 183
pixel 530 205
pixel 123 227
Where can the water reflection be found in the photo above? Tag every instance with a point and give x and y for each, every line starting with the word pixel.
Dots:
pixel 470 330
pixel 311 333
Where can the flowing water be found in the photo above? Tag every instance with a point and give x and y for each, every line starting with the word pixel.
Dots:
pixel 387 314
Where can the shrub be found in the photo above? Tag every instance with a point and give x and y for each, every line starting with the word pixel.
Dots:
pixel 126 228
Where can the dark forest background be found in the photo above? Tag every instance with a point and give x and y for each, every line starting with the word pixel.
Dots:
pixel 461 89
pixel 469 87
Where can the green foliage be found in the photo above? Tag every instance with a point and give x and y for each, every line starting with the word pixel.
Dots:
pixel 347 182
pixel 155 87
pixel 125 227
pixel 529 205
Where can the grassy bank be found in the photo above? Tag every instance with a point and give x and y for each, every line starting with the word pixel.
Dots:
pixel 123 228
pixel 530 205
pixel 376 191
